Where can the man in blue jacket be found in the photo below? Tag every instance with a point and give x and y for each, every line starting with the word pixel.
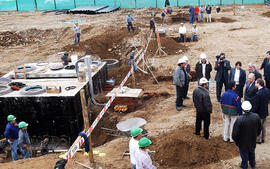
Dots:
pixel 231 108
pixel 222 66
pixel 238 75
pixel 266 69
pixel 191 14
pixel 129 20
pixel 12 134
pixel 260 106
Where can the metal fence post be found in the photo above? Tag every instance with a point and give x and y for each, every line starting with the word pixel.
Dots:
pixel 55 4
pixel 199 2
pixel 17 5
pixel 220 2
pixel 135 3
pixel 35 5
pixel 177 3
pixel 74 3
pixel 156 3
pixel 243 2
pixel 95 2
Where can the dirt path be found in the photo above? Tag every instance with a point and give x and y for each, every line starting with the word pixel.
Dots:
pixel 245 39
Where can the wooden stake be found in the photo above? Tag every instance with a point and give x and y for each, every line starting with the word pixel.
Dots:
pixel 86 126
pixel 133 74
pixel 159 50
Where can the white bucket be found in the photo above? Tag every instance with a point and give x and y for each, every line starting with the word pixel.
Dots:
pixel 74 59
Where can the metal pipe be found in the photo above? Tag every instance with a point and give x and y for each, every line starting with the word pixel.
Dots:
pixel 88 61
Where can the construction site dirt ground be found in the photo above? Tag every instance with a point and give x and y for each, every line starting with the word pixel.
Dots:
pixel 36 36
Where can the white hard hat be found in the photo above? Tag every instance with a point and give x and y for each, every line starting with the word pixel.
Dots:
pixel 181 60
pixel 185 58
pixel 246 106
pixel 203 56
pixel 203 81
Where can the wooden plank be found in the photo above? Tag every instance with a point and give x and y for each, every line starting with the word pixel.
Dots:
pixel 86 126
pixel 127 93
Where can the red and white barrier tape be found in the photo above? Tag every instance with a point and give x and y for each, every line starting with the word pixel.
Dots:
pixel 78 144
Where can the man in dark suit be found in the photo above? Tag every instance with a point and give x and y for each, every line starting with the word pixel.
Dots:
pixel 250 90
pixel 266 69
pixel 222 66
pixel 260 106
pixel 239 76
pixel 252 69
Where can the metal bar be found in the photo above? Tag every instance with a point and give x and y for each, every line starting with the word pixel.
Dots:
pixel 54 4
pixel 74 3
pixel 17 5
pixel 36 5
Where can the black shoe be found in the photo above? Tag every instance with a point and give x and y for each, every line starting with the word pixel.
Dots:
pixel 186 97
pixel 183 106
pixel 258 142
pixel 262 141
pixel 198 134
pixel 206 137
pixel 178 108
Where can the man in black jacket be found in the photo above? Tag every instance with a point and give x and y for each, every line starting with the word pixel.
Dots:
pixel 260 106
pixel 222 67
pixel 203 68
pixel 250 90
pixel 245 130
pixel 203 105
pixel 252 69
pixel 266 69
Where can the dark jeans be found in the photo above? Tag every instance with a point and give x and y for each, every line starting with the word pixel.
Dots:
pixel 219 86
pixel 186 86
pixel 191 18
pixel 77 38
pixel 248 156
pixel 183 37
pixel 267 83
pixel 205 117
pixel 239 90
pixel 196 17
pixel 179 96
pixel 130 26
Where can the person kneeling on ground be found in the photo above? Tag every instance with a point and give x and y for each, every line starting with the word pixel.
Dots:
pixel 203 105
pixel 194 32
pixel 24 141
pixel 231 108
pixel 136 134
pixel 245 130
pixel 143 160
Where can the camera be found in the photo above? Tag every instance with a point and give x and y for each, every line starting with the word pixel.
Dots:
pixel 221 57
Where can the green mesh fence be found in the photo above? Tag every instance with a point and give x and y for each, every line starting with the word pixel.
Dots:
pixel 30 5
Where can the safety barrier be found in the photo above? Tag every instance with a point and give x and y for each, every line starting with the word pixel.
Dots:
pixel 31 5
pixel 77 144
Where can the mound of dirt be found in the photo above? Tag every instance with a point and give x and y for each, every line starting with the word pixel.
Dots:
pixel 168 44
pixel 181 147
pixel 12 39
pixel 226 20
pixel 110 44
pixel 266 14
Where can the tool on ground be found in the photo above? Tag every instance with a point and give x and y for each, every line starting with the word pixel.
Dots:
pixel 70 88
pixel 33 90
pixel 53 89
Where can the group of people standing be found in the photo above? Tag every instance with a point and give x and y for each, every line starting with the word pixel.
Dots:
pixel 18 138
pixel 197 13
pixel 240 118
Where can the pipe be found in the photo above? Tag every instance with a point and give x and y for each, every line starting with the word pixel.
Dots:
pixel 88 61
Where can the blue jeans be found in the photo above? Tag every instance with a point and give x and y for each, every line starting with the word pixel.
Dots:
pixel 196 17
pixel 26 153
pixel 191 18
pixel 77 38
pixel 248 156
pixel 179 96
pixel 194 38
pixel 201 16
pixel 14 148
pixel 134 166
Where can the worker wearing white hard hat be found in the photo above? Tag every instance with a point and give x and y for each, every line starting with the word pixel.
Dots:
pixel 245 130
pixel 187 69
pixel 179 80
pixel 203 68
pixel 203 105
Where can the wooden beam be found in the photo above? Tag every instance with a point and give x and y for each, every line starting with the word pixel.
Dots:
pixel 86 126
